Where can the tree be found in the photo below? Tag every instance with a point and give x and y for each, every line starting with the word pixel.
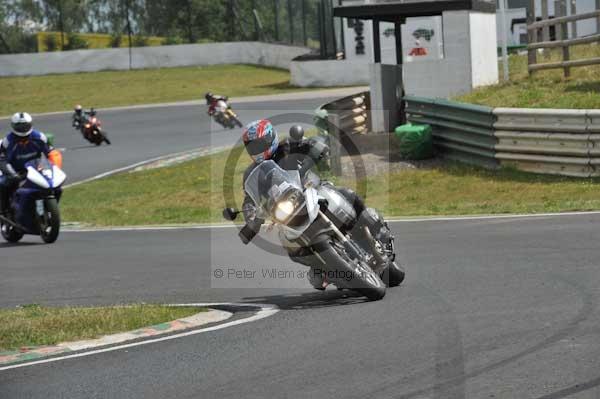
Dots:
pixel 17 19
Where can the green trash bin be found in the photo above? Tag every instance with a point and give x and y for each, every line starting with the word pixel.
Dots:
pixel 415 141
pixel 321 121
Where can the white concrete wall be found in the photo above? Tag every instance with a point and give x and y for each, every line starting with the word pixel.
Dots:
pixel 329 73
pixel 150 57
pixel 385 90
pixel 484 56
pixel 452 74
pixel 469 59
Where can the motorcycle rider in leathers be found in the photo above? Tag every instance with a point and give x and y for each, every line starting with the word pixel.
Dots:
pixel 212 100
pixel 262 143
pixel 22 145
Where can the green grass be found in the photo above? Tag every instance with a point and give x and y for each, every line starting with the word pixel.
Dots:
pixel 119 88
pixel 545 89
pixel 34 325
pixel 193 193
pixel 457 189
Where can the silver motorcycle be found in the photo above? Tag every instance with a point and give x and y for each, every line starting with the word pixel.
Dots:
pixel 314 222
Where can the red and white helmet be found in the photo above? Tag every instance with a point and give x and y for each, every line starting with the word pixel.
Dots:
pixel 261 140
pixel 22 124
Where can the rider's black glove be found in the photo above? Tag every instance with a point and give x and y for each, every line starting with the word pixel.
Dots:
pixel 250 230
pixel 246 234
pixel 10 174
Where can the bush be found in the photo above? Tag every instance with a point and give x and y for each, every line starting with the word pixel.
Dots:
pixel 28 44
pixel 116 40
pixel 75 42
pixel 140 41
pixel 16 41
pixel 50 42
pixel 171 40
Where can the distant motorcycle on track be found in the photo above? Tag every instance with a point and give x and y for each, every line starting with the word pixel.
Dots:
pixel 222 113
pixel 91 128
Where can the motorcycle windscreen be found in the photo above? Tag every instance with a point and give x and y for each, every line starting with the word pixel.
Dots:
pixel 268 181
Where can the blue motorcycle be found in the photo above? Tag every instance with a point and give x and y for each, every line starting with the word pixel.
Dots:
pixel 34 205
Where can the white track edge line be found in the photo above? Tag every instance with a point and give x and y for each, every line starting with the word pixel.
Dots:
pixel 137 165
pixel 265 311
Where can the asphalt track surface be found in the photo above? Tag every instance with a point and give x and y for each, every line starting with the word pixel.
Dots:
pixel 141 134
pixel 503 308
pixel 494 308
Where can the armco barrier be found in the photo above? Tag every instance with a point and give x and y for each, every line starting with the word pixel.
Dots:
pixel 551 141
pixel 545 140
pixel 462 132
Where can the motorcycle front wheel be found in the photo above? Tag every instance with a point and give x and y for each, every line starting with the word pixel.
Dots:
pixel 97 137
pixel 352 275
pixel 50 221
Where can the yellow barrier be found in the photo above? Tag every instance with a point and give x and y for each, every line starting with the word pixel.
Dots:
pixel 94 40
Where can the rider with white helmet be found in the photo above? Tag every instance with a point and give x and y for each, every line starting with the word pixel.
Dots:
pixel 20 146
pixel 77 116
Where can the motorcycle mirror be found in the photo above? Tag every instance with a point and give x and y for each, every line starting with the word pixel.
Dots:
pixel 230 214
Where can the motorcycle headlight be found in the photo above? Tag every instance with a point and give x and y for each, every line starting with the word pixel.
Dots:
pixel 284 210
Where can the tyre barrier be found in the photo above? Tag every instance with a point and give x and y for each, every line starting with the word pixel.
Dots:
pixel 346 116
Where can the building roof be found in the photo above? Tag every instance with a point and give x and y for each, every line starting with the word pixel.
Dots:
pixel 393 11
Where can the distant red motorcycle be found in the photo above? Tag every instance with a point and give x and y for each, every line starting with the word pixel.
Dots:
pixel 91 129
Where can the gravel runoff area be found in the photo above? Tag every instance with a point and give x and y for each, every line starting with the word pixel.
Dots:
pixel 378 164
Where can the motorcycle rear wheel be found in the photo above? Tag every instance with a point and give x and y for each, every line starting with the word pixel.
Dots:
pixel 393 275
pixel 50 223
pixel 10 234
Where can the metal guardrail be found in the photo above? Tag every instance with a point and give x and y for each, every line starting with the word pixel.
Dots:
pixel 346 116
pixel 462 132
pixel 550 141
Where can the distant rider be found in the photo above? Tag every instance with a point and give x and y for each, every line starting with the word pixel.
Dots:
pixel 20 146
pixel 295 153
pixel 212 100
pixel 80 117
pixel 77 116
